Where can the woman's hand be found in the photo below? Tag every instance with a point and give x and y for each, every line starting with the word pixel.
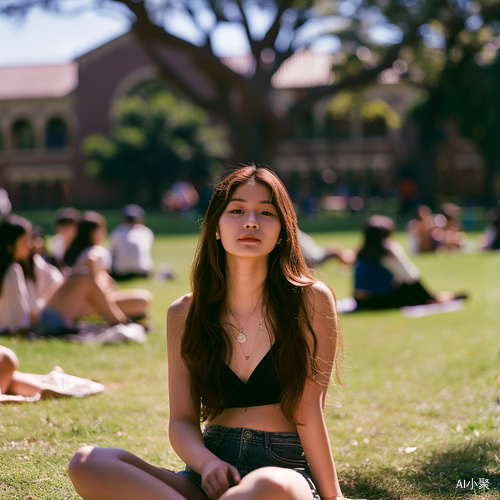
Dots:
pixel 217 476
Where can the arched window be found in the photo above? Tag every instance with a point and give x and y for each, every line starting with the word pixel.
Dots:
pixel 23 136
pixel 375 128
pixel 56 134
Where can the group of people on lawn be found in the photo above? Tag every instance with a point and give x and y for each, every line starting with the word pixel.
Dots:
pixel 251 349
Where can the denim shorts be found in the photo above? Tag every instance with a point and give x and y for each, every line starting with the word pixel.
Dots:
pixel 50 322
pixel 248 449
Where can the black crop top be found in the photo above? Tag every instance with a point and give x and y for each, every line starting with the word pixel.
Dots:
pixel 262 388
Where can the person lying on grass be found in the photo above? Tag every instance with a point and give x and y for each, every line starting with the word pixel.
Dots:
pixel 17 387
pixel 250 352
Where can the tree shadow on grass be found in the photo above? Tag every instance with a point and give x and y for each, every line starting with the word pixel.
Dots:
pixel 454 472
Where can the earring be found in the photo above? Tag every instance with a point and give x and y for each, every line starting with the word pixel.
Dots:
pixel 217 235
pixel 279 242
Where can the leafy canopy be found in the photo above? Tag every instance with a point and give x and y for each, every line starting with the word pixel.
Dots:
pixel 156 139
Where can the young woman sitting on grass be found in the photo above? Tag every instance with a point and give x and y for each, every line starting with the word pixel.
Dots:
pixel 33 294
pixel 384 275
pixel 250 352
pixel 86 248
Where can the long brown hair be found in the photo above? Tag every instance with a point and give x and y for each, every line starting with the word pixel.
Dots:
pixel 205 346
pixel 11 228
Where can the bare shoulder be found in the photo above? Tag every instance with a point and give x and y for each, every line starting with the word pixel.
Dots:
pixel 321 297
pixel 322 309
pixel 177 315
pixel 180 307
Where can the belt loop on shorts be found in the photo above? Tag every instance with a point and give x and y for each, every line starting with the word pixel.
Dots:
pixel 266 440
pixel 224 430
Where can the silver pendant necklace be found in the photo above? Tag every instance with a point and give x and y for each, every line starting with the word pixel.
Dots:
pixel 259 329
pixel 241 337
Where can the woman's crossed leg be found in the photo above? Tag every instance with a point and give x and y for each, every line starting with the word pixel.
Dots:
pixel 270 483
pixel 113 474
pixel 108 473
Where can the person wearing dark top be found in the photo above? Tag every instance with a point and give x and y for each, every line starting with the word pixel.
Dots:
pixel 384 275
pixel 250 352
pixel 491 240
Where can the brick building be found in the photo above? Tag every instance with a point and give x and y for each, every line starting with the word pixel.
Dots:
pixel 46 111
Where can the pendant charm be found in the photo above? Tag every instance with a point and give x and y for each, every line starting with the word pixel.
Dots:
pixel 241 337
pixel 246 357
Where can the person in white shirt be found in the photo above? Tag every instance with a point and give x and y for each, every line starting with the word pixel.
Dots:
pixel 34 296
pixel 5 204
pixel 130 246
pixel 27 281
pixel 87 255
pixel 90 235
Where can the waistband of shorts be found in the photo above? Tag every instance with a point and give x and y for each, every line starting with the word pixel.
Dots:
pixel 239 433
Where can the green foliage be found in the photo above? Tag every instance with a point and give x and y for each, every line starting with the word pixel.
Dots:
pixel 347 104
pixel 156 138
pixel 467 96
pixel 473 103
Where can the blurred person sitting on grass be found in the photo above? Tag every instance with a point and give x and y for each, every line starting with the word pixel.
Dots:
pixel 5 204
pixel 87 255
pixel 66 225
pixel 130 245
pixel 384 275
pixel 491 239
pixel 421 231
pixel 34 295
pixel 450 232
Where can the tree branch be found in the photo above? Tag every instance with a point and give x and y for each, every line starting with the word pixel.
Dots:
pixel 272 33
pixel 202 56
pixel 361 79
pixel 208 43
pixel 219 14
pixel 253 46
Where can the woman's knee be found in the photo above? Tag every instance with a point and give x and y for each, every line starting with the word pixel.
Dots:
pixel 275 486
pixel 143 297
pixel 8 365
pixel 81 461
pixel 267 483
pixel 89 461
pixel 9 362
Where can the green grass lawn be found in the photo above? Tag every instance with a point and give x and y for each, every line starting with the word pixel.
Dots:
pixel 418 414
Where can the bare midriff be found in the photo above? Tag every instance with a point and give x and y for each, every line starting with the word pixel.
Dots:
pixel 267 418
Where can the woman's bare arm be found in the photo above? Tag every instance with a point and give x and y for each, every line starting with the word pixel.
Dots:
pixel 313 433
pixel 184 427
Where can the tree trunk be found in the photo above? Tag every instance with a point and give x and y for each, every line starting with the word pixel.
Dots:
pixel 491 183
